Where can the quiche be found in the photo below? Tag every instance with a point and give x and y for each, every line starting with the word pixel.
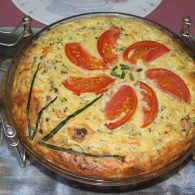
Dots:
pixel 105 97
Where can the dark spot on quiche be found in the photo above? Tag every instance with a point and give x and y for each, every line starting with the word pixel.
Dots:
pixel 121 159
pixel 41 131
pixel 192 74
pixel 185 123
pixel 55 90
pixel 79 134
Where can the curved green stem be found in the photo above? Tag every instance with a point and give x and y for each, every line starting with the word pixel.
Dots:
pixel 62 123
pixel 29 101
pixel 71 151
pixel 39 117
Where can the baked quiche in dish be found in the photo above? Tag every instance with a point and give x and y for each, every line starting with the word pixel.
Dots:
pixel 105 97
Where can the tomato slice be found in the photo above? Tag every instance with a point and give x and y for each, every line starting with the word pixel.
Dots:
pixel 169 83
pixel 80 57
pixel 145 50
pixel 80 85
pixel 106 44
pixel 150 106
pixel 122 105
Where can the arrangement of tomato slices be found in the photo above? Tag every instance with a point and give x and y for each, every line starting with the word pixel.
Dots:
pixel 122 105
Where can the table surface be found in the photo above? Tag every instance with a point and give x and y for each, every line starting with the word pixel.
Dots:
pixel 35 179
pixel 169 13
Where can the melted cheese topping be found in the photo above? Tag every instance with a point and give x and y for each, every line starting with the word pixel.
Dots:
pixel 55 67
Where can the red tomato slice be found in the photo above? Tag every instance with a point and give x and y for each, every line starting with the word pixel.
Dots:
pixel 78 56
pixel 106 44
pixel 122 105
pixel 145 50
pixel 169 83
pixel 80 85
pixel 150 108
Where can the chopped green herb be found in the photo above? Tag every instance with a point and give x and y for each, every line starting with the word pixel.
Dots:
pixel 123 75
pixel 124 67
pixel 131 76
pixel 163 108
pixel 63 72
pixel 65 109
pixel 114 68
pixel 122 29
pixel 139 70
pixel 115 74
pixel 121 49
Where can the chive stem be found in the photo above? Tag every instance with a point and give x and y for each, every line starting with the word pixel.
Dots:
pixel 139 70
pixel 123 74
pixel 114 68
pixel 115 74
pixel 62 123
pixel 39 117
pixel 71 151
pixel 29 101
pixel 124 67
pixel 131 76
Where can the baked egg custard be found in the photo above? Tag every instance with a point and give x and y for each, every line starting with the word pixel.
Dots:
pixel 106 97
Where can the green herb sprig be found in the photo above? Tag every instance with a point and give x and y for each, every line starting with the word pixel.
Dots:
pixel 71 151
pixel 62 123
pixel 39 117
pixel 131 76
pixel 29 101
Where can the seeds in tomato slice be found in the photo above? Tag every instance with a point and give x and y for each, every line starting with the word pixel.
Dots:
pixel 122 105
pixel 145 50
pixel 107 43
pixel 80 57
pixel 169 83
pixel 150 106
pixel 80 85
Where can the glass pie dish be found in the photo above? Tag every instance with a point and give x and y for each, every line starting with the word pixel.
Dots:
pixel 16 139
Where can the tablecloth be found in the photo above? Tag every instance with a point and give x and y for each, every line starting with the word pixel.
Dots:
pixel 34 179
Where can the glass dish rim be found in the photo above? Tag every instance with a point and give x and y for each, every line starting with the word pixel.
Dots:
pixel 55 168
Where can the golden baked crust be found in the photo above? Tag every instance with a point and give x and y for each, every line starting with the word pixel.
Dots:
pixel 40 102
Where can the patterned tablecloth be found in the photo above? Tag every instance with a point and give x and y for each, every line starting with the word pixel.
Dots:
pixel 34 179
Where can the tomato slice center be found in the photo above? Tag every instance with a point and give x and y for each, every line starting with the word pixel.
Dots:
pixel 107 43
pixel 80 57
pixel 169 83
pixel 145 50
pixel 121 106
